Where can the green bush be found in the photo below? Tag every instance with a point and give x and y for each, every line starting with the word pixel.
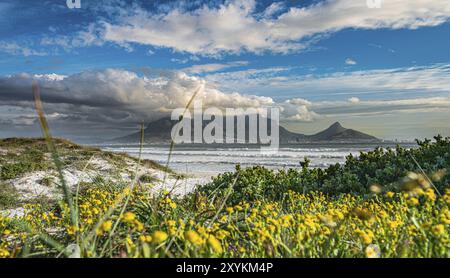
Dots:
pixel 9 197
pixel 384 167
pixel 146 178
pixel 31 160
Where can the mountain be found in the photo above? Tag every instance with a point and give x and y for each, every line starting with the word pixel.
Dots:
pixel 159 131
pixel 336 132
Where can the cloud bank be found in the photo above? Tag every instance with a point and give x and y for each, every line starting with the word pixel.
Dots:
pixel 116 99
pixel 404 82
pixel 235 26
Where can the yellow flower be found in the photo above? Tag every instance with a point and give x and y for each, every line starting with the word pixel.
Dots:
pixel 126 191
pixel 138 225
pixel 447 198
pixel 413 201
pixel 393 224
pixel 4 253
pixel 223 219
pixel 129 241
pixel 215 244
pixel 229 210
pixel 429 193
pixel 438 229
pixel 221 234
pixel 238 207
pixel 366 236
pixel 106 226
pixel 363 214
pixel 159 236
pixel 390 194
pixel 372 251
pixel 193 237
pixel 71 230
pixel 383 214
pixel 128 216
pixel 145 238
pixel 6 232
pixel 171 222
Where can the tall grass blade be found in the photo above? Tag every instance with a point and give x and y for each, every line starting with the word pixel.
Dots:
pixel 172 143
pixel 55 157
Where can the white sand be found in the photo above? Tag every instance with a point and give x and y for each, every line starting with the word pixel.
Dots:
pixel 30 185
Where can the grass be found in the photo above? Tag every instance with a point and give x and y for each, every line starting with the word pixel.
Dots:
pixel 9 197
pixel 26 155
pixel 28 160
pixel 407 224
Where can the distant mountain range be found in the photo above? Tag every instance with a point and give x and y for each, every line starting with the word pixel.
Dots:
pixel 159 132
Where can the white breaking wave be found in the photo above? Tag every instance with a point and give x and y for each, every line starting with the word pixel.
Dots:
pixel 211 161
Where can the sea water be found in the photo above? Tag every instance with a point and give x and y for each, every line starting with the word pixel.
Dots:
pixel 204 160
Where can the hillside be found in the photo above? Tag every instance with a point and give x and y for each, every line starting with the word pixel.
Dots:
pixel 336 132
pixel 27 171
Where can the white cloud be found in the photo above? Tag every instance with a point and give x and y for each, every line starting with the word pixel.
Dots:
pixel 350 61
pixel 251 77
pixel 234 27
pixel 203 68
pixel 16 49
pixel 354 100
pixel 381 83
pixel 380 107
pixel 435 78
pixel 298 109
pixel 50 77
pixel 273 9
pixel 91 36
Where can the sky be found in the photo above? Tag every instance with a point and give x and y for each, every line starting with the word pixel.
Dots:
pixel 381 67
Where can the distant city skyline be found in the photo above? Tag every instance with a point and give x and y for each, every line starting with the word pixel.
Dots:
pixel 107 66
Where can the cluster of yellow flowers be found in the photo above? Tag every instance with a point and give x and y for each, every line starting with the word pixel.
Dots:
pixel 412 223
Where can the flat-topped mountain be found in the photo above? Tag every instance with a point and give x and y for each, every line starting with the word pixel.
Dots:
pixel 159 131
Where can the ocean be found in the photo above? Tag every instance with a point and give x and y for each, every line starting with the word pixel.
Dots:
pixel 204 160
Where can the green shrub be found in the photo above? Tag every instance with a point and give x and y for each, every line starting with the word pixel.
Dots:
pixel 30 160
pixel 9 197
pixel 48 181
pixel 384 167
pixel 147 178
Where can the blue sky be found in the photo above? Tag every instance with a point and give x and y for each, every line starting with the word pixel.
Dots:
pixel 385 71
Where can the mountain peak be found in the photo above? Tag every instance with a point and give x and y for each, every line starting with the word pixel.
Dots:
pixel 336 132
pixel 336 128
pixel 336 124
pixel 328 133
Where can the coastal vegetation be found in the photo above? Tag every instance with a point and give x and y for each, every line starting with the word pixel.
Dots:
pixel 384 203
